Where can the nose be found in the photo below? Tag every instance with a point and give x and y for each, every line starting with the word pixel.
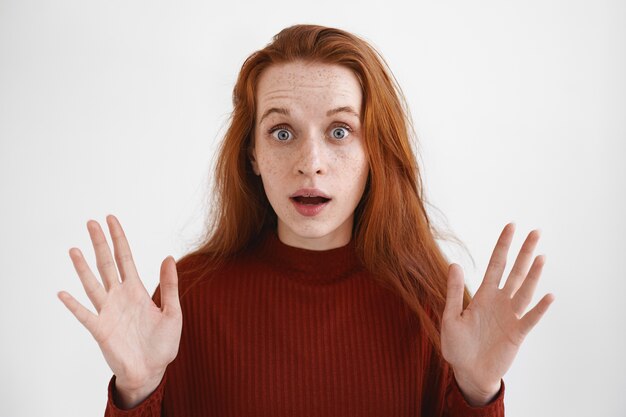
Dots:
pixel 310 159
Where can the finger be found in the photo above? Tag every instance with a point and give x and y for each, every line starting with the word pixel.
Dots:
pixel 123 255
pixel 497 262
pixel 533 316
pixel 104 260
pixel 520 268
pixel 86 317
pixel 524 294
pixel 94 290
pixel 170 301
pixel 454 296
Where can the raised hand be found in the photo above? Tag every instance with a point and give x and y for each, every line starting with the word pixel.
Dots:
pixel 137 338
pixel 481 341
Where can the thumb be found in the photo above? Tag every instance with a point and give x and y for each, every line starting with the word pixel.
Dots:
pixel 454 296
pixel 169 286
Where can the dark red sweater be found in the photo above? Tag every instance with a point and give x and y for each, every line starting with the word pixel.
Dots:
pixel 285 331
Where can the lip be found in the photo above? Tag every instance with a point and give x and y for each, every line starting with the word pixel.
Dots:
pixel 308 209
pixel 309 192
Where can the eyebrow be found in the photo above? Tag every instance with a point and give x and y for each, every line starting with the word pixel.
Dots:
pixel 344 109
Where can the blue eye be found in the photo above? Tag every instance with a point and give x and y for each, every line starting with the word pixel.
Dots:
pixel 338 133
pixel 283 133
pixel 341 135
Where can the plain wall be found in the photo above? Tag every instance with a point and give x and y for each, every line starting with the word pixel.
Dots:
pixel 117 107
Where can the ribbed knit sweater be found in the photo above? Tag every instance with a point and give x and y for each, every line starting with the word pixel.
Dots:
pixel 286 331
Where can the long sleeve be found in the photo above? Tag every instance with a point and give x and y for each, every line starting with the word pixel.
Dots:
pixel 282 331
pixel 456 406
pixel 150 407
pixel 444 397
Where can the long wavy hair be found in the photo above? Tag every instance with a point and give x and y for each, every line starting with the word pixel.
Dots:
pixel 393 235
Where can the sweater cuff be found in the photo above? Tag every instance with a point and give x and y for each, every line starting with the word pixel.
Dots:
pixel 458 405
pixel 149 407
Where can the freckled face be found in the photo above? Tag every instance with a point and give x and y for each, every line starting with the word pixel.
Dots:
pixel 312 139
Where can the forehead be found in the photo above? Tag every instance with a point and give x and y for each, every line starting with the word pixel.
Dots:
pixel 300 82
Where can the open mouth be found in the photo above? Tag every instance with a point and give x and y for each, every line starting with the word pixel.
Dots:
pixel 310 200
pixel 310 206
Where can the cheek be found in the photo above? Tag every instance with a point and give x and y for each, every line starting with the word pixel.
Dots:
pixel 354 165
pixel 273 168
pixel 271 164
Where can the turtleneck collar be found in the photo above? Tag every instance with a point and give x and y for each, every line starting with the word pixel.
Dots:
pixel 308 264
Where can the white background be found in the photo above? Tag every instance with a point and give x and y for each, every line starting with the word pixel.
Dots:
pixel 117 107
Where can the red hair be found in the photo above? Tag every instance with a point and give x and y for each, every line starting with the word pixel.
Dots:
pixel 393 234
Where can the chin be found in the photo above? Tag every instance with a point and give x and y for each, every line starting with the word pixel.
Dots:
pixel 314 232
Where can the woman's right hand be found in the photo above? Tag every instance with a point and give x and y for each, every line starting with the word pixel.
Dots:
pixel 137 338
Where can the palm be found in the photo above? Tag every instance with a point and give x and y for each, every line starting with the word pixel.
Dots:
pixel 131 329
pixel 483 340
pixel 137 338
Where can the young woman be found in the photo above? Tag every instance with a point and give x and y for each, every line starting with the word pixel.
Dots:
pixel 319 289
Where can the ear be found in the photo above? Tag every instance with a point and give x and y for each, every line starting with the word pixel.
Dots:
pixel 253 161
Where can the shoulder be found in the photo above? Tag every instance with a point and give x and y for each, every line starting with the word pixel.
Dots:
pixel 197 270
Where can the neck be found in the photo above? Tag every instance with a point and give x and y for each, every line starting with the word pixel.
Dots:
pixel 311 265
pixel 339 237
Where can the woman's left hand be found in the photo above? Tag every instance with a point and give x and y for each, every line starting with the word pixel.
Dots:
pixel 481 341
